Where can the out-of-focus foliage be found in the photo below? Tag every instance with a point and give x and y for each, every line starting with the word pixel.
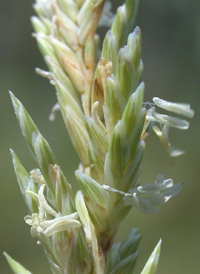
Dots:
pixel 171 54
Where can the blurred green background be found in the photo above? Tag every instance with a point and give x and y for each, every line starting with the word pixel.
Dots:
pixel 171 54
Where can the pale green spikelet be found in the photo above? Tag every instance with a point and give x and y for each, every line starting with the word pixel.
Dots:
pixel 53 213
pixel 15 266
pixel 152 263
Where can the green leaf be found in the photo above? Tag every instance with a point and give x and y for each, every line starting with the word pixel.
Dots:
pixel 152 263
pixel 16 267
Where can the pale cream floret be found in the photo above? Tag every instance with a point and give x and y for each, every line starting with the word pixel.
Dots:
pixel 39 222
pixel 164 122
pixel 147 197
pixel 179 108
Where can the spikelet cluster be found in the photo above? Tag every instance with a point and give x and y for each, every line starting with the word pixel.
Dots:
pixel 100 94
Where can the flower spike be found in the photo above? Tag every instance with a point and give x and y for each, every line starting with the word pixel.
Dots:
pixel 100 96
